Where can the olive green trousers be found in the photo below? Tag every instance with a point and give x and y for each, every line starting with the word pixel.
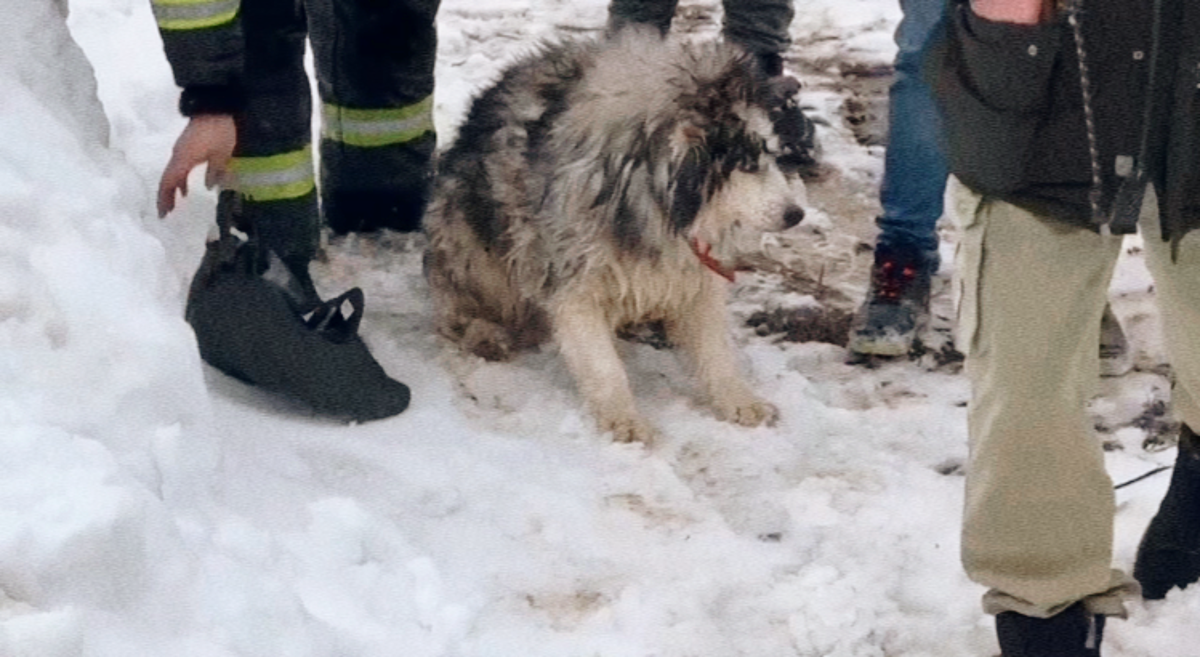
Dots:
pixel 1038 515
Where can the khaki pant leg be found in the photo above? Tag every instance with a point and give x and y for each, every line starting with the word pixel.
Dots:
pixel 1039 504
pixel 1177 288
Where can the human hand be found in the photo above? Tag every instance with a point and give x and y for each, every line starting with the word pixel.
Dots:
pixel 1019 12
pixel 208 139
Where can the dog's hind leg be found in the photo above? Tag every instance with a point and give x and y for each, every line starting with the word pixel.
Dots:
pixel 585 339
pixel 701 332
pixel 476 305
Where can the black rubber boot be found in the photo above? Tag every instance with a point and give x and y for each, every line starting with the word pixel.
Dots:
pixel 1169 554
pixel 1074 632
pixel 365 211
pixel 367 189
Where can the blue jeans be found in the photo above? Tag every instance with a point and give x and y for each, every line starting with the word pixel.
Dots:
pixel 914 177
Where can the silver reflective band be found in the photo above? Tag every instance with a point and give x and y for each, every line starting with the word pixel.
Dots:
pixel 194 14
pixel 377 127
pixel 274 178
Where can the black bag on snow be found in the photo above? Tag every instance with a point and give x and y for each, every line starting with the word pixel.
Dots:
pixel 278 335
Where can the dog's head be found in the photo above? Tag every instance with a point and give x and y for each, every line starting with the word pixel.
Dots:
pixel 664 139
pixel 733 176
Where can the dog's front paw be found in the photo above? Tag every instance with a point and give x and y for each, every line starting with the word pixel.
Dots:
pixel 487 340
pixel 752 412
pixel 629 430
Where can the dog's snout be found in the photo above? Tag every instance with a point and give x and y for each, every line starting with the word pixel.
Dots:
pixel 792 216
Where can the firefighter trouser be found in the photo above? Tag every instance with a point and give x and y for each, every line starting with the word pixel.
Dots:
pixel 374 62
pixel 1038 517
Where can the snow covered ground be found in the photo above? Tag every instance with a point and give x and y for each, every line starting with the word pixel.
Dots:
pixel 150 506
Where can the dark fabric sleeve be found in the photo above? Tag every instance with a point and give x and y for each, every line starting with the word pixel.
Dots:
pixel 208 63
pixel 992 81
pixel 211 99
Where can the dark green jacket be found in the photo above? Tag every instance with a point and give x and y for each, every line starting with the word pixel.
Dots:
pixel 1014 116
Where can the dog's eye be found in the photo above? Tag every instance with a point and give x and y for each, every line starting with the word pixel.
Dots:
pixel 748 165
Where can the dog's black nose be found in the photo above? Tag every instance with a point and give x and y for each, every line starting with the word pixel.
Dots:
pixel 792 217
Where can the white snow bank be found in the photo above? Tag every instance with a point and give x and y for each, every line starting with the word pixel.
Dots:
pixel 100 383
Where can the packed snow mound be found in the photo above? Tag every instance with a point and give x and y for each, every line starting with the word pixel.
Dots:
pixel 99 378
pixel 41 58
pixel 84 304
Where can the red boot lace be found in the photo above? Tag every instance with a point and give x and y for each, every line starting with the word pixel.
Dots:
pixel 892 280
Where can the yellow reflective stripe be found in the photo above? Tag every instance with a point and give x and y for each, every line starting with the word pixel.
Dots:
pixel 193 14
pixel 377 127
pixel 275 177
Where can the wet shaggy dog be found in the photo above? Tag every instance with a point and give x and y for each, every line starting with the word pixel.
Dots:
pixel 587 189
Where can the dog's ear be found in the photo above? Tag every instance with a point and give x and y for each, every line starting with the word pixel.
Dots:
pixel 690 179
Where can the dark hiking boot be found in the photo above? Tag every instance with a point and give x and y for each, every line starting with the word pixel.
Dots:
pixel 1169 554
pixel 367 211
pixel 798 147
pixel 250 325
pixel 1115 357
pixel 1074 632
pixel 897 304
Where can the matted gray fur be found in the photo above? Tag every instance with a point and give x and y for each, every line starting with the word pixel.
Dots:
pixel 580 192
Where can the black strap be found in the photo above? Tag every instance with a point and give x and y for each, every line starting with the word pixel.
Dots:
pixel 1127 205
pixel 1122 215
pixel 328 318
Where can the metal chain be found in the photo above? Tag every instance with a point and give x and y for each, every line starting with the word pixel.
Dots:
pixel 1074 10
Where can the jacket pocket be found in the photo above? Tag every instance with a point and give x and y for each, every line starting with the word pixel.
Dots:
pixel 992 96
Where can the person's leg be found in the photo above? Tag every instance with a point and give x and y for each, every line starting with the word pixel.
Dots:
pixel 1177 288
pixel 1169 554
pixel 914 184
pixel 249 315
pixel 761 27
pixel 272 166
pixel 912 194
pixel 1037 525
pixel 374 64
pixel 914 178
pixel 641 12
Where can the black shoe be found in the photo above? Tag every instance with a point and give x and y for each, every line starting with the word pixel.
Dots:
pixel 897 303
pixel 249 326
pixel 1074 632
pixel 367 211
pixel 1169 554
pixel 798 148
pixel 1115 358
